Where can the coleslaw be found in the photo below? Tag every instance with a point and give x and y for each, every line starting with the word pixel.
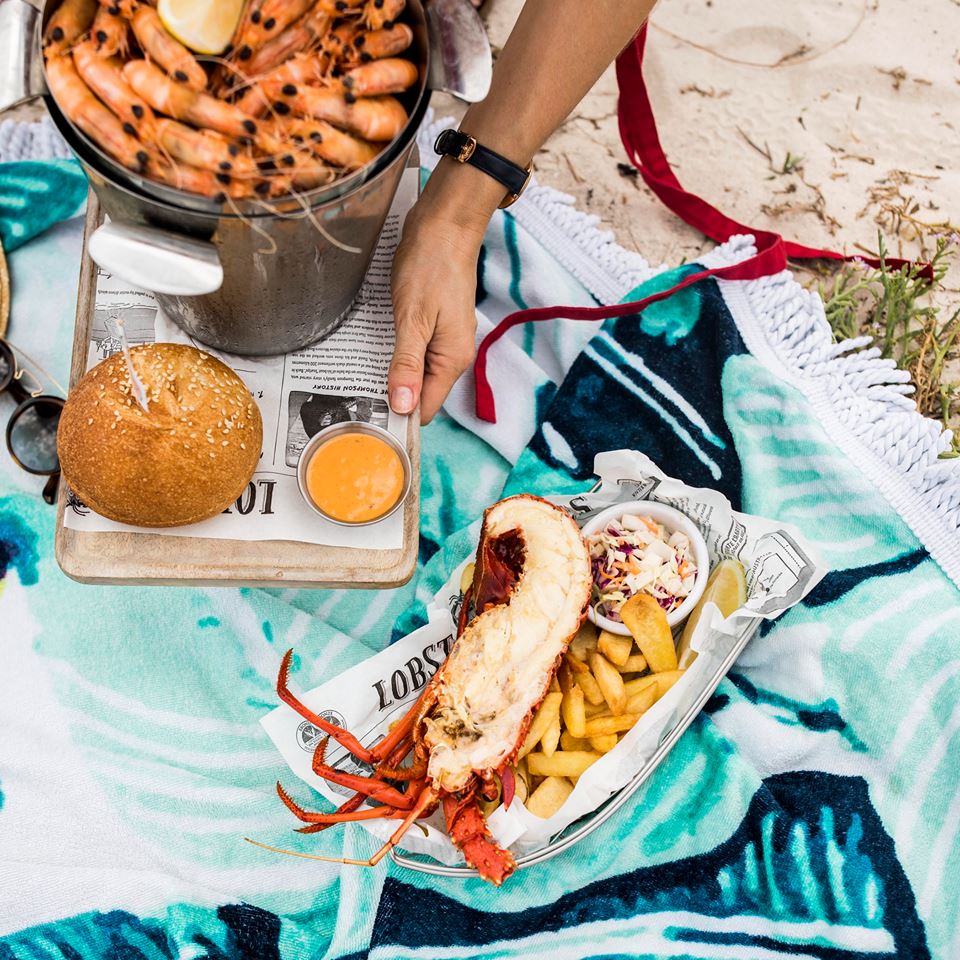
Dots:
pixel 636 554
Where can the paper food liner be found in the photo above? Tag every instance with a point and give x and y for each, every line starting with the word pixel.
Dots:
pixel 781 569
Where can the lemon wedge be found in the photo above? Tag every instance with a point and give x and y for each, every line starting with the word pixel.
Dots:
pixel 727 588
pixel 205 26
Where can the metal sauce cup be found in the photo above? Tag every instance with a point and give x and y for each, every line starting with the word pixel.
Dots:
pixel 336 430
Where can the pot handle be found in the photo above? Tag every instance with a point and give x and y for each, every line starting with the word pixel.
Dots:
pixel 157 260
pixel 21 62
pixel 461 63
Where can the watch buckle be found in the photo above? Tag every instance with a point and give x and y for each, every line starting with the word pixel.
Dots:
pixel 466 151
pixel 512 198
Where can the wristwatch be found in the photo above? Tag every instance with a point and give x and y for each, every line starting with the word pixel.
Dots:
pixel 464 149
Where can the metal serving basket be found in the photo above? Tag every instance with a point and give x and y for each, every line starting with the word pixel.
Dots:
pixel 583 827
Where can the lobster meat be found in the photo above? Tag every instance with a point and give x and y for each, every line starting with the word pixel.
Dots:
pixel 530 592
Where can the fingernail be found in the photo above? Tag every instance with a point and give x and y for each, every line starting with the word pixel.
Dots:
pixel 401 399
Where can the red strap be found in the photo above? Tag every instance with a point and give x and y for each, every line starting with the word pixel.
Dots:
pixel 638 130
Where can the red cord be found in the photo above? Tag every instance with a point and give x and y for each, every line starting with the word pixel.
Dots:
pixel 638 131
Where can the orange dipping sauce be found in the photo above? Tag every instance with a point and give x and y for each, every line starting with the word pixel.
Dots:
pixel 355 477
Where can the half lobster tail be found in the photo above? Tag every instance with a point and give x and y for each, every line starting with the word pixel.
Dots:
pixel 530 592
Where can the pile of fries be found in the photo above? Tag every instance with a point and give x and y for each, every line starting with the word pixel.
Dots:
pixel 603 687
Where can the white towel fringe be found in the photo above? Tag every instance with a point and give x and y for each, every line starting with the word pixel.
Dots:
pixel 862 400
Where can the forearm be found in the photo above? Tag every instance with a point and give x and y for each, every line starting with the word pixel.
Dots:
pixel 554 55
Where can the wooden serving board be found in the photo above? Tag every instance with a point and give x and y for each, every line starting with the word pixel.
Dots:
pixel 149 559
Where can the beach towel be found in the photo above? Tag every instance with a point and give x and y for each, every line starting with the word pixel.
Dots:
pixel 812 810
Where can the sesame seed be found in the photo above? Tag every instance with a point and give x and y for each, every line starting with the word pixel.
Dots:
pixel 89 420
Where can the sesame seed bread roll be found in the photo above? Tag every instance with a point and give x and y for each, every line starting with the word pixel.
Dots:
pixel 186 459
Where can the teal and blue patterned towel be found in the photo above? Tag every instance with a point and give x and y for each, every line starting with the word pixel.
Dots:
pixel 812 811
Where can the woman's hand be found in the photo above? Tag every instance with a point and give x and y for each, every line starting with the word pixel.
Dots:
pixel 434 291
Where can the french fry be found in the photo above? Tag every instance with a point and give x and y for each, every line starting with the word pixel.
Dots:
pixel 610 682
pixel 569 742
pixel 604 743
pixel 585 680
pixel 641 702
pixel 664 681
pixel 601 709
pixel 554 685
pixel 563 763
pixel 636 663
pixel 615 648
pixel 647 621
pixel 585 641
pixel 633 687
pixel 466 578
pixel 543 718
pixel 600 726
pixel 572 710
pixel 549 797
pixel 551 737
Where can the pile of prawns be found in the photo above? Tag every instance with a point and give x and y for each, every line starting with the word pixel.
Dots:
pixel 304 94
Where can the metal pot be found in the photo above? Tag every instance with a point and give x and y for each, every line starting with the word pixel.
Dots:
pixel 248 280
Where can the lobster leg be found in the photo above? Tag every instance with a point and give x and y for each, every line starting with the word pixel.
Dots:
pixel 417 771
pixel 346 739
pixel 427 799
pixel 348 807
pixel 357 799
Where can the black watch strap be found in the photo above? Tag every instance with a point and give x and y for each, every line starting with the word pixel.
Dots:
pixel 464 149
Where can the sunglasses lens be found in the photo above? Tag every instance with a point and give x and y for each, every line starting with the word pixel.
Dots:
pixel 6 366
pixel 33 436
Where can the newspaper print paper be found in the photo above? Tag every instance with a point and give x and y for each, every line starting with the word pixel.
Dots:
pixel 342 377
pixel 780 567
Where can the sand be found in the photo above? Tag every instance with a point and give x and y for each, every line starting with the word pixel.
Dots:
pixel 825 121
pixel 867 94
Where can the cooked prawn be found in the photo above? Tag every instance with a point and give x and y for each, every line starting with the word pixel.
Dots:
pixel 104 76
pixel 170 53
pixel 373 118
pixel 327 142
pixel 111 33
pixel 91 116
pixel 217 186
pixel 269 19
pixel 391 75
pixel 305 34
pixel 124 8
pixel 310 174
pixel 370 45
pixel 378 14
pixel 338 41
pixel 300 69
pixel 69 22
pixel 204 149
pixel 191 106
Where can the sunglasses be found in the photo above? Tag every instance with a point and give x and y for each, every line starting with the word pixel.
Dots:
pixel 32 427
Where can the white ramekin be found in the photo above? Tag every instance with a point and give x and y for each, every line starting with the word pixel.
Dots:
pixel 673 520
